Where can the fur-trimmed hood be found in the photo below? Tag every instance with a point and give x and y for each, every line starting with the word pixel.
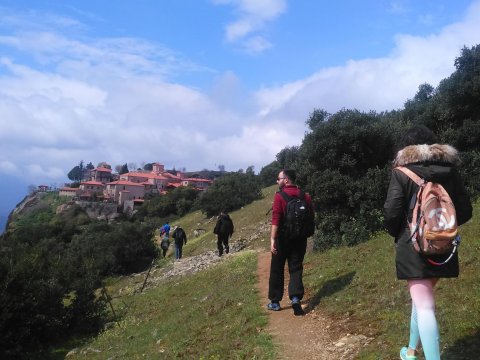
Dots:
pixel 423 153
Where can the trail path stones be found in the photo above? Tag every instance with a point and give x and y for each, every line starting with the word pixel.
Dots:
pixel 313 336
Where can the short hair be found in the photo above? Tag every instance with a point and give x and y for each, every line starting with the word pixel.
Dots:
pixel 418 135
pixel 290 174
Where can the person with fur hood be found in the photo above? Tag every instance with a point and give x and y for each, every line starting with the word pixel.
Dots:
pixel 437 163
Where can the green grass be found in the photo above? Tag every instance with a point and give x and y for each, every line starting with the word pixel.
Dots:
pixel 214 314
pixel 358 285
pixel 218 314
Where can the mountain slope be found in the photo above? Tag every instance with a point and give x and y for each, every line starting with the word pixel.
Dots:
pixel 215 310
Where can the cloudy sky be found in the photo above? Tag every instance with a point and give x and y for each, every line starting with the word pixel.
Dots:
pixel 202 83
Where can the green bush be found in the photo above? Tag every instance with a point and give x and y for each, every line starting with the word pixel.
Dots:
pixel 230 192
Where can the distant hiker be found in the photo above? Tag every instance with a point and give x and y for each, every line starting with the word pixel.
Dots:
pixel 180 238
pixel 292 223
pixel 164 244
pixel 164 238
pixel 433 163
pixel 165 230
pixel 224 230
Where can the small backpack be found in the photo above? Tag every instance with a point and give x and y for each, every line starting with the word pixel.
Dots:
pixel 298 221
pixel 434 222
pixel 165 243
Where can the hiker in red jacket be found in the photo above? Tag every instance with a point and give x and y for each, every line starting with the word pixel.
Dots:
pixel 284 247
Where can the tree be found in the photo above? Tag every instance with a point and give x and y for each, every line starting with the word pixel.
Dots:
pixel 269 173
pixel 229 192
pixel 336 163
pixel 124 169
pixel 77 172
pixel 176 202
pixel 317 117
pixel 288 156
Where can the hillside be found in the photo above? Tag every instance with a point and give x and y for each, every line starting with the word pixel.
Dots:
pixel 3 223
pixel 206 307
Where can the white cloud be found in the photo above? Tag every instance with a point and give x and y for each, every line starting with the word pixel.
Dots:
pixel 8 168
pixel 112 100
pixel 375 84
pixel 253 16
pixel 256 45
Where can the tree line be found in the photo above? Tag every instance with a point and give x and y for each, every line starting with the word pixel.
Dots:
pixel 344 160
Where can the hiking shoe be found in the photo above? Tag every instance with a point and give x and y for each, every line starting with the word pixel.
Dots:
pixel 404 356
pixel 274 306
pixel 297 307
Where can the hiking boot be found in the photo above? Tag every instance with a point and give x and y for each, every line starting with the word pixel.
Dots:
pixel 404 356
pixel 274 306
pixel 297 307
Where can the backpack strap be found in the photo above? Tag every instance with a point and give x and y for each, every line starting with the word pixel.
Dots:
pixel 287 198
pixel 416 179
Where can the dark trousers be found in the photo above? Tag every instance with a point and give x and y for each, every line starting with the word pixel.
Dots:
pixel 222 241
pixel 293 252
pixel 178 251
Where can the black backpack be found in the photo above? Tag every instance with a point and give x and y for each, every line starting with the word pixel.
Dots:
pixel 298 223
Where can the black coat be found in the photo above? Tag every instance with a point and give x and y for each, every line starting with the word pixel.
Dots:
pixel 179 236
pixel 224 226
pixel 434 163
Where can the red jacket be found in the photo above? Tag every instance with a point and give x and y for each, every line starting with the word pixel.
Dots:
pixel 280 205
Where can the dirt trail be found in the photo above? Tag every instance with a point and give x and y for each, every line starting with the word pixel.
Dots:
pixel 313 336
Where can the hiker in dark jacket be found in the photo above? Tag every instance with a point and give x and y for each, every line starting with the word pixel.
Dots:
pixel 224 230
pixel 437 163
pixel 180 238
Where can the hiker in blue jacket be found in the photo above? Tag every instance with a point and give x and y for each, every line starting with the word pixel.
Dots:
pixel 165 230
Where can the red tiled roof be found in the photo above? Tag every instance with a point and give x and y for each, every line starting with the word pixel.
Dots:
pixel 198 180
pixel 124 182
pixel 168 175
pixel 103 169
pixel 91 183
pixel 174 184
pixel 145 175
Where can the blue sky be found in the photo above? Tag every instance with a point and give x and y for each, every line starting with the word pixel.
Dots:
pixel 199 83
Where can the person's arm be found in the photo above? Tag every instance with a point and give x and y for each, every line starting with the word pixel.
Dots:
pixel 276 220
pixel 461 200
pixel 394 207
pixel 273 237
